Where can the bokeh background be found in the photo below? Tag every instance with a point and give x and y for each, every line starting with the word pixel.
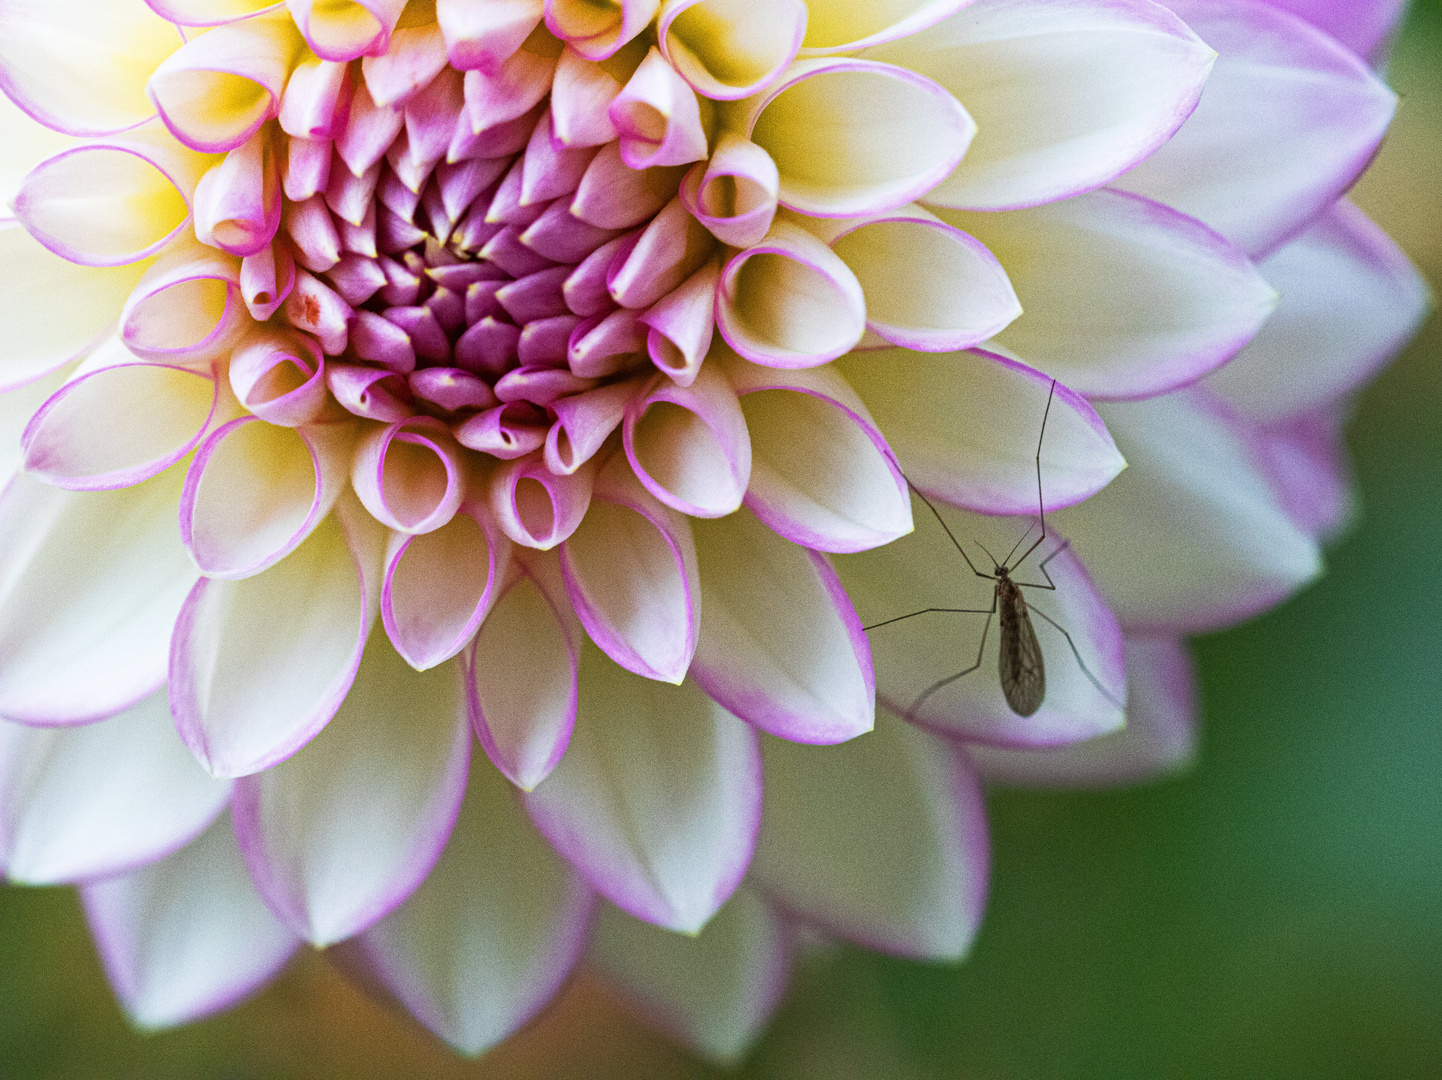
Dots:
pixel 1276 912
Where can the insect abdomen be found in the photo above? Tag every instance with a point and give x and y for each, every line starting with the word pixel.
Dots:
pixel 1023 674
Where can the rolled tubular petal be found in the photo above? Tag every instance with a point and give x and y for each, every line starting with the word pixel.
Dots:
pixel 735 193
pixel 90 586
pixel 280 377
pixel 790 301
pixel 1193 535
pixel 346 29
pixel 881 840
pixel 481 34
pixel 187 936
pixel 780 643
pixel 216 91
pixel 658 798
pixel 729 49
pixel 415 56
pixel 928 285
pixel 965 427
pixel 238 203
pixel 913 655
pixel 1149 299
pixel 535 507
pixel 113 202
pixel 120 422
pixel 854 136
pixel 523 687
pixel 644 269
pixel 266 279
pixel 714 992
pixel 67 813
pixel 187 307
pixel 682 325
pixel 584 422
pixel 340 834
pixel 36 278
pixel 440 585
pixel 1289 120
pixel 80 66
pixel 1350 301
pixel 410 475
pixel 630 571
pixel 689 445
pixel 1128 72
pixel 255 491
pixel 211 12
pixel 821 473
pixel 598 30
pixel 317 100
pixel 582 92
pixel 658 117
pixel 843 26
pixel 490 935
pixel 259 667
pixel 1160 736
pixel 373 393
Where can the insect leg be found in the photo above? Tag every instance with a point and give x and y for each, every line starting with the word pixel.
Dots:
pixel 930 610
pixel 1040 503
pixel 934 687
pixel 1050 584
pixel 1080 662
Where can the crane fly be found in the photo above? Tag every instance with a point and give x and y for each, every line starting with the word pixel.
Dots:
pixel 1021 666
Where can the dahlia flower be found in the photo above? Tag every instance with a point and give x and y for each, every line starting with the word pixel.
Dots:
pixel 383 378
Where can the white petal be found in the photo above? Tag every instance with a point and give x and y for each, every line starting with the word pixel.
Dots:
pixel 90 801
pixel 843 25
pixel 881 840
pixel 1350 301
pixel 780 645
pixel 715 991
pixel 259 666
pixel 727 49
pixel 657 799
pixel 1124 297
pixel 1288 121
pixel 342 832
pixel 1192 536
pixel 187 936
pixel 90 586
pixel 491 934
pixel 1066 95
pixel 966 427
pixel 1159 738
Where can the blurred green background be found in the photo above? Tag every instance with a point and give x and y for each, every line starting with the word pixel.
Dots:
pixel 1274 913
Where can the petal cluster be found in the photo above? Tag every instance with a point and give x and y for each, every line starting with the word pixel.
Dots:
pixel 583 381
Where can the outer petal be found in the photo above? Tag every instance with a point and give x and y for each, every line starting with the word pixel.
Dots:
pixel 881 840
pixel 91 801
pixel 913 655
pixel 1067 96
pixel 90 586
pixel 80 66
pixel 53 311
pixel 821 473
pixel 715 991
pixel 1289 120
pixel 966 428
pixel 210 12
pixel 1124 297
pixel 1159 738
pixel 658 798
pixel 631 575
pixel 1192 536
pixel 27 143
pixel 259 666
pixel 119 421
pixel 16 409
pixel 856 136
pixel 1350 301
pixel 491 934
pixel 780 645
pixel 187 936
pixel 440 585
pixel 1364 26
pixel 337 836
pixel 112 202
pixel 522 668
pixel 188 307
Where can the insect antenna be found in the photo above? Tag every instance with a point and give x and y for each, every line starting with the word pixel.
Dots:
pixel 1040 503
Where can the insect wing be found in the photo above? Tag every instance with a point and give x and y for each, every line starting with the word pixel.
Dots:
pixel 1023 674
